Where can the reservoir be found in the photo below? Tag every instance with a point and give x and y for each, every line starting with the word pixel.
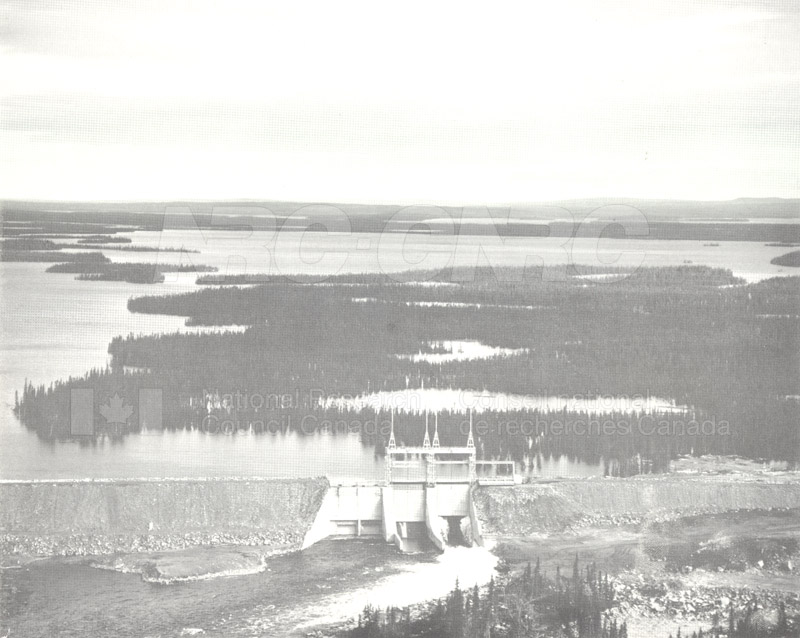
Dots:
pixel 61 327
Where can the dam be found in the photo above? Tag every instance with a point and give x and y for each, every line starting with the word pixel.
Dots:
pixel 424 499
pixel 426 495
pixel 429 496
pixel 95 517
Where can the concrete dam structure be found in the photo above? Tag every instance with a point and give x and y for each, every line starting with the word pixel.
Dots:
pixel 69 518
pixel 430 496
pixel 404 514
pixel 426 495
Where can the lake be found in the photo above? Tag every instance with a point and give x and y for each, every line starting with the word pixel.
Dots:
pixel 54 327
pixel 327 254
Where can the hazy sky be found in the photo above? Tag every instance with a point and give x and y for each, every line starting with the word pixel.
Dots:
pixel 399 102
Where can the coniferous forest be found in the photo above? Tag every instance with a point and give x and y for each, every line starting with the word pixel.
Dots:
pixel 527 604
pixel 698 337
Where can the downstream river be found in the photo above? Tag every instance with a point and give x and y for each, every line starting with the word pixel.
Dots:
pixel 330 582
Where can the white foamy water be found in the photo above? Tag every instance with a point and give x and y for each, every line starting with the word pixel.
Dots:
pixel 460 351
pixel 418 400
pixel 416 583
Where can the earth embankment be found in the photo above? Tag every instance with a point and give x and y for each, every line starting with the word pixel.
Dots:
pixel 100 517
pixel 550 507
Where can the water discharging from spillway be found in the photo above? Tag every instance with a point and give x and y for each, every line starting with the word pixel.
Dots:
pixel 415 583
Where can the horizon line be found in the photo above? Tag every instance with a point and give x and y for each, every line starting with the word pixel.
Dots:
pixel 404 203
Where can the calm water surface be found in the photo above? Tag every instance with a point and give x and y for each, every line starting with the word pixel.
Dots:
pixel 53 327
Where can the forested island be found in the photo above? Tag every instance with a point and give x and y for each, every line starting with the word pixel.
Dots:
pixel 105 239
pixel 135 273
pixel 51 255
pixel 573 336
pixel 791 259
pixel 93 266
pixel 42 240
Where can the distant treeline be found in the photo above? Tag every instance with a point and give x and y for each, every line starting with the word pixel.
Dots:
pixel 663 230
pixel 665 220
pixel 28 244
pixel 113 267
pixel 729 353
pixel 143 249
pixel 104 239
pixel 466 279
pixel 701 231
pixel 358 279
pixel 106 242
pixel 137 273
pixel 51 256
pixel 61 228
pixel 92 266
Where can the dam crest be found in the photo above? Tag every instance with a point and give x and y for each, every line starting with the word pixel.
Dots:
pixel 426 496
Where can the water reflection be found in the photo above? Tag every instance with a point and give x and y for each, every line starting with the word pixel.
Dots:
pixel 420 400
pixel 59 327
pixel 192 453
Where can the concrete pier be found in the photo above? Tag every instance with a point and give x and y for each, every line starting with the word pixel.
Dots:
pixel 425 487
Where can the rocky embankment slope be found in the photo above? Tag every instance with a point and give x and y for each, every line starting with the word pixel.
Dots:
pixel 562 505
pixel 71 518
pixel 684 551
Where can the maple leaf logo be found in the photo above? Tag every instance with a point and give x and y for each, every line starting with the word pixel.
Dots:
pixel 115 411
